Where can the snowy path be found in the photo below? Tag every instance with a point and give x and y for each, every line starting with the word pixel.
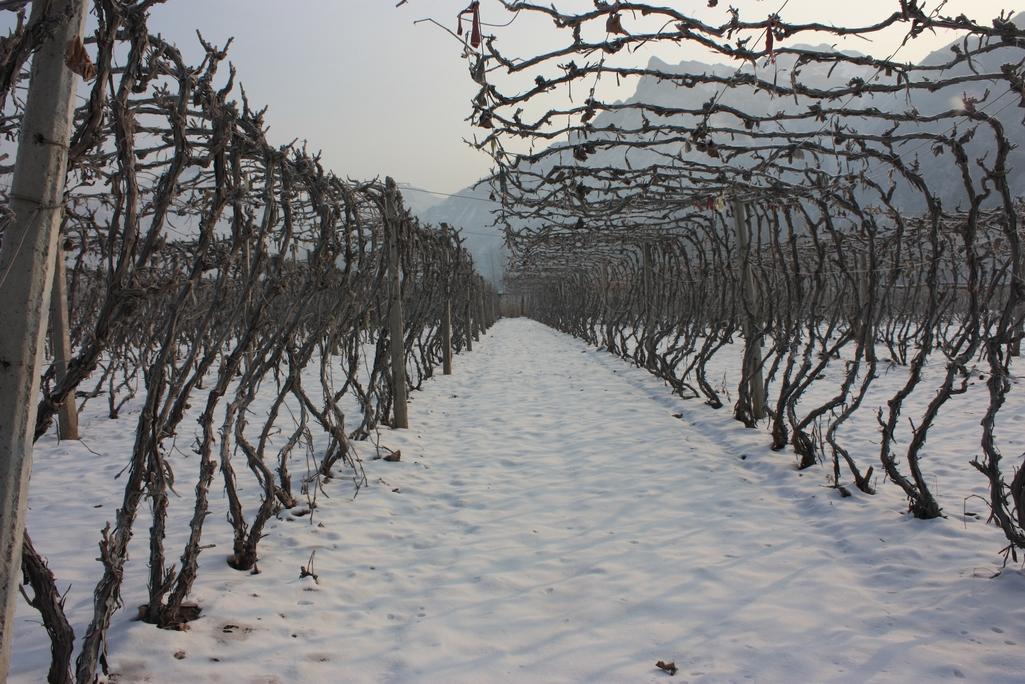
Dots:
pixel 553 521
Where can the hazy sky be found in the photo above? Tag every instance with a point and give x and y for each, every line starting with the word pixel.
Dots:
pixel 381 96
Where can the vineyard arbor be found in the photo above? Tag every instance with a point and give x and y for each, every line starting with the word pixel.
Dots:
pixel 818 216
pixel 199 270
pixel 838 212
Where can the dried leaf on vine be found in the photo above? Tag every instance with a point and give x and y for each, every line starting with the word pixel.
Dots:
pixel 614 24
pixel 77 59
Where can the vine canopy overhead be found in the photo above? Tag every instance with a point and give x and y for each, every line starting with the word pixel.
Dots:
pixel 597 132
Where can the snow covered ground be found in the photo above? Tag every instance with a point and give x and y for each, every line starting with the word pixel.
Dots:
pixel 553 520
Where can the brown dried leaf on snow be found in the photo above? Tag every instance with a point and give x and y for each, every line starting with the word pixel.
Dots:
pixel 669 667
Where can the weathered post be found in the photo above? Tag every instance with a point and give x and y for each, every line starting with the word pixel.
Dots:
pixel 468 309
pixel 489 308
pixel 752 341
pixel 60 344
pixel 392 224
pixel 646 279
pixel 26 262
pixel 1016 342
pixel 1019 318
pixel 648 306
pixel 475 306
pixel 864 293
pixel 446 337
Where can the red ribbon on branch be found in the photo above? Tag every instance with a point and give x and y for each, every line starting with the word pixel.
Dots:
pixel 474 11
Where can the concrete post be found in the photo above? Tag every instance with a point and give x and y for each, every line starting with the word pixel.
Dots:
pixel 26 281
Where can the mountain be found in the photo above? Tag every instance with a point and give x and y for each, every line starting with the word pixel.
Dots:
pixel 1001 103
pixel 942 178
pixel 470 210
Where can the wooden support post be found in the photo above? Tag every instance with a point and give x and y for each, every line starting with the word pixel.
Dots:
pixel 864 294
pixel 1018 277
pixel 468 308
pixel 752 339
pixel 483 324
pixel 396 330
pixel 649 308
pixel 60 345
pixel 646 280
pixel 26 280
pixel 1016 342
pixel 446 338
